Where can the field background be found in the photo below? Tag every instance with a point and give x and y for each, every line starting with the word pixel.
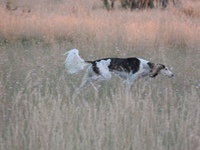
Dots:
pixel 36 109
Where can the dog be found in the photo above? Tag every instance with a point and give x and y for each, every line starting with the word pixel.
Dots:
pixel 128 69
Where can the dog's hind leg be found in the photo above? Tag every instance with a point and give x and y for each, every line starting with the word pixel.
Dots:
pixel 83 85
pixel 85 82
pixel 95 89
pixel 88 79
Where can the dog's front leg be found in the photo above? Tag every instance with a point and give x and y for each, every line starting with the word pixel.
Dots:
pixel 146 80
pixel 130 80
pixel 144 86
pixel 127 85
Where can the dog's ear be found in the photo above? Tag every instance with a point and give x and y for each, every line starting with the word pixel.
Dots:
pixel 155 70
pixel 152 73
pixel 151 65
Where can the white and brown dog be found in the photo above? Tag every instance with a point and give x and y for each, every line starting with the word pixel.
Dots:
pixel 129 69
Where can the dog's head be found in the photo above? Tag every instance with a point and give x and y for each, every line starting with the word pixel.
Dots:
pixel 159 69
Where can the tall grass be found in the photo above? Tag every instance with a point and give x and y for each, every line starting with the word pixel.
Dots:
pixel 36 107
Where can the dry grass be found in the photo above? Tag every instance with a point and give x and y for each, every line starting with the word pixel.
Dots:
pixel 36 111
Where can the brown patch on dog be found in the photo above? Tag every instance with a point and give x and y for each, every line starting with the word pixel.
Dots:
pixel 155 68
pixel 151 65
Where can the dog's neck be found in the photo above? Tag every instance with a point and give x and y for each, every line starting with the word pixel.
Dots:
pixel 152 67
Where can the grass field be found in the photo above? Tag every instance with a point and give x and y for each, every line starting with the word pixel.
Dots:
pixel 36 109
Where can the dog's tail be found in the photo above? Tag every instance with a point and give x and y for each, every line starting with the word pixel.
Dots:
pixel 74 63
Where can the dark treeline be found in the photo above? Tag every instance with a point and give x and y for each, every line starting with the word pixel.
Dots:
pixel 140 4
